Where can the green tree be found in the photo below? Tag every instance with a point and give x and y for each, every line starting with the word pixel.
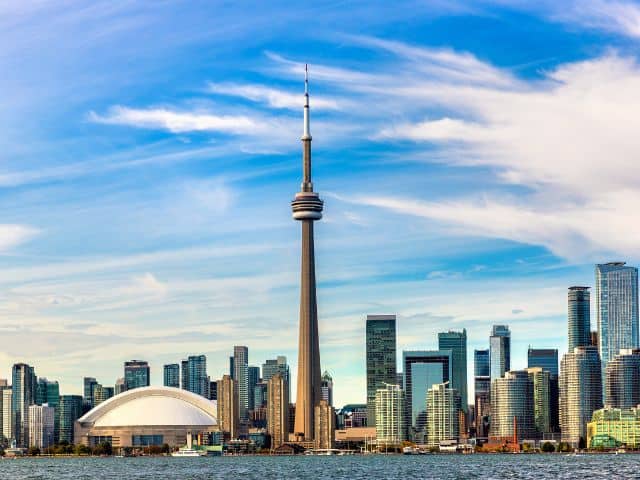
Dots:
pixel 166 448
pixel 82 450
pixel 548 447
pixel 33 451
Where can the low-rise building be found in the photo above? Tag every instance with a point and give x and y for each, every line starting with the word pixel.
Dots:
pixel 612 427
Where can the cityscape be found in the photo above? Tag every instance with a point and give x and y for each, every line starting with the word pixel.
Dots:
pixel 319 239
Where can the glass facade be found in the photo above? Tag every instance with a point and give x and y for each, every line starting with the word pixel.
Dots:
pixel 253 379
pixel 622 380
pixel 512 402
pixel 136 374
pixel 194 375
pixel 70 410
pixel 481 365
pixel 146 440
pixel 89 384
pixel 241 372
pixel 24 394
pixel 580 392
pixel 546 358
pixel 499 351
pixel 380 358
pixel 613 427
pixel 422 369
pixel 171 375
pixel 457 343
pixel 579 316
pixel 616 309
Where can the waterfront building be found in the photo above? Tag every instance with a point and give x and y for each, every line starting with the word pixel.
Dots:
pixel 443 408
pixel 391 427
pixel 380 358
pixel 136 374
pixel 616 310
pixel 148 416
pixel 119 387
pixel 482 388
pixel 325 427
pixel 276 365
pixel 353 415
pixel 512 406
pixel 41 426
pixel 47 392
pixel 213 390
pixel 580 392
pixel 69 411
pixel 422 369
pixel 614 427
pixel 7 414
pixel 278 410
pixel 579 316
pixel 241 372
pixel 253 374
pixel 540 379
pixel 171 375
pixel 307 208
pixel 101 394
pixel 457 343
pixel 228 417
pixel 194 375
pixel 622 380
pixel 326 388
pixel 23 386
pixel 499 351
pixel 547 359
pixel 89 384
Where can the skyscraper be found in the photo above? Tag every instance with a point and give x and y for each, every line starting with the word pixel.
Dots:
pixel 499 351
pixel 542 402
pixel 547 359
pixel 228 406
pixel 253 377
pixel 579 316
pixel 326 388
pixel 41 426
pixel 101 394
pixel 24 395
pixel 194 375
pixel 512 406
pixel 391 427
pixel 49 392
pixel 89 384
pixel 622 380
pixel 136 374
pixel 443 406
pixel 422 369
pixel 580 392
pixel 172 375
pixel 277 365
pixel 325 418
pixel 457 343
pixel 7 413
pixel 241 371
pixel 70 410
pixel 381 358
pixel 307 208
pixel 277 409
pixel 482 387
pixel 616 309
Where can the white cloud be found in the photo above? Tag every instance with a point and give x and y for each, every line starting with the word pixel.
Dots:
pixel 273 97
pixel 14 235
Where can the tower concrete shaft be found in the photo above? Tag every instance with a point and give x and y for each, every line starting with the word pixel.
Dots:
pixel 307 208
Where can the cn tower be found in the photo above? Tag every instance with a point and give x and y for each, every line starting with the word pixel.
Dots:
pixel 307 208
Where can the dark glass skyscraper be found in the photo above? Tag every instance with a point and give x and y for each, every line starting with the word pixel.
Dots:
pixel 457 343
pixel 241 371
pixel 24 394
pixel 69 411
pixel 579 316
pixel 171 375
pixel 381 358
pixel 88 385
pixel 482 388
pixel 195 375
pixel 253 374
pixel 546 358
pixel 500 351
pixel 136 374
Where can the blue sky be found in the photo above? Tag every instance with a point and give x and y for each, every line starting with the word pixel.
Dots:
pixel 475 158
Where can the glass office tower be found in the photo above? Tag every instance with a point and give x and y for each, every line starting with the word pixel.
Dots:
pixel 380 358
pixel 172 375
pixel 482 388
pixel 622 380
pixel 457 343
pixel 500 351
pixel 136 374
pixel 579 316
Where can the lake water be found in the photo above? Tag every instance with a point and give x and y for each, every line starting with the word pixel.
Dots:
pixel 351 468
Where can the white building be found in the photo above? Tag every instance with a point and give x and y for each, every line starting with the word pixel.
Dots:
pixel 41 425
pixel 443 407
pixel 391 429
pixel 7 417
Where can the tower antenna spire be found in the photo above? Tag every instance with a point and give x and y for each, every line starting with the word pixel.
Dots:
pixel 306 133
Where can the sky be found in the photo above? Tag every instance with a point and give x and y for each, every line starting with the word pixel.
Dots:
pixel 475 158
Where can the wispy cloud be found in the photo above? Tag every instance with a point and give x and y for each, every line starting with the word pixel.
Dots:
pixel 272 97
pixel 13 235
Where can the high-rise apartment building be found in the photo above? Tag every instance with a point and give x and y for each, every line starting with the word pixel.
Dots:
pixel 253 377
pixel 380 358
pixel 482 388
pixel 194 375
pixel 69 411
pixel 119 386
pixel 326 388
pixel 213 390
pixel 136 374
pixel 7 413
pixel 325 418
pixel 457 343
pixel 422 369
pixel 391 427
pixel 171 375
pixel 622 380
pixel 278 410
pixel 443 408
pixel 41 426
pixel 241 371
pixel 228 406
pixel 260 393
pixel 580 392
pixel 579 316
pixel 512 406
pixel 88 384
pixel 102 394
pixel 499 351
pixel 616 309
pixel 542 404
pixel 47 392
pixel 24 394
pixel 277 365
pixel 545 358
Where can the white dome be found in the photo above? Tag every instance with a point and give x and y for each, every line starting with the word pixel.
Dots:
pixel 153 406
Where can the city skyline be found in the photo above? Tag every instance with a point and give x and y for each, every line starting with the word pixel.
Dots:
pixel 130 226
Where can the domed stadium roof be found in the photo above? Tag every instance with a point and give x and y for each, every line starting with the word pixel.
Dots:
pixel 153 406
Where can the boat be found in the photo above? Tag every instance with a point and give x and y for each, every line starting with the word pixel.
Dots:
pixel 189 451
